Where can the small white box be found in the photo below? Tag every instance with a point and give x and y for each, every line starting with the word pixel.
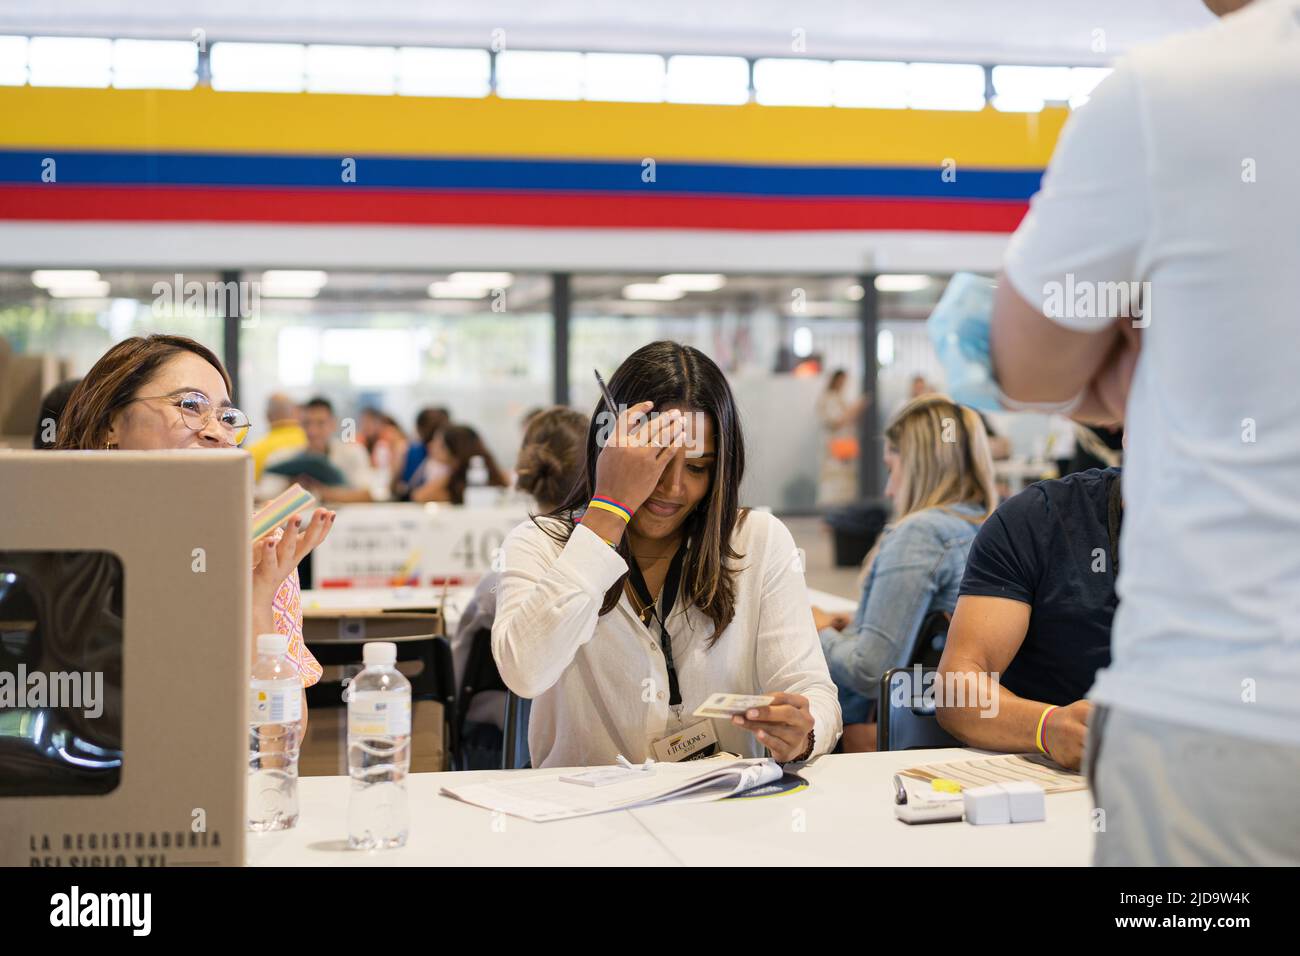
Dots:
pixel 989 804
pixel 1027 801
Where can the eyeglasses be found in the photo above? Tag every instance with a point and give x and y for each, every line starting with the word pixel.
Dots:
pixel 197 410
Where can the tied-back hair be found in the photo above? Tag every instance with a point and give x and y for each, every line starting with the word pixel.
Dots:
pixel 113 382
pixel 674 375
pixel 552 456
pixel 943 460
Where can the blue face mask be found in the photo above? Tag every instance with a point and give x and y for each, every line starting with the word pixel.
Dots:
pixel 959 331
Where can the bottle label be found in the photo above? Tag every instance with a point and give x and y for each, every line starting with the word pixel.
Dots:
pixel 373 713
pixel 274 702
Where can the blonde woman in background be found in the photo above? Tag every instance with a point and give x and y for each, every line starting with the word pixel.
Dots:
pixel 942 485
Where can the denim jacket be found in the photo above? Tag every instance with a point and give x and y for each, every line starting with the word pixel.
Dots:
pixel 918 569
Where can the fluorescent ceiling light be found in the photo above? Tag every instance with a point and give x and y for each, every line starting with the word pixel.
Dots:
pixel 651 292
pixel 456 290
pixel 81 290
pixel 50 277
pixel 694 281
pixel 484 280
pixel 854 293
pixel 292 283
pixel 901 283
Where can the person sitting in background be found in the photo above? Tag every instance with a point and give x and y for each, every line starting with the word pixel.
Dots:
pixel 838 482
pixel 427 424
pixel 360 483
pixel 385 442
pixel 550 464
pixel 285 437
pixel 649 588
pixel 170 392
pixel 941 482
pixel 450 454
pixel 1035 608
pixel 46 433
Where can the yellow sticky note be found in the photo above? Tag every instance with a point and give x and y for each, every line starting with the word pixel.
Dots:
pixel 945 785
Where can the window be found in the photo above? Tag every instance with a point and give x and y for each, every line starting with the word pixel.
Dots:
pixel 13 61
pixel 875 85
pixel 351 69
pixel 539 75
pixel 264 67
pixel 625 77
pixel 793 82
pixel 708 79
pixel 155 64
pixel 945 86
pixel 70 61
pixel 434 71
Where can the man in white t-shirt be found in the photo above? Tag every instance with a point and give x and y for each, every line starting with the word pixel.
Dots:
pixel 1180 177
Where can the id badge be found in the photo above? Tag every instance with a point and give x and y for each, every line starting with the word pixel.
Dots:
pixel 690 743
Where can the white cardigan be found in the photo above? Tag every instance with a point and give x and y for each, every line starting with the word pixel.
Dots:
pixel 599 684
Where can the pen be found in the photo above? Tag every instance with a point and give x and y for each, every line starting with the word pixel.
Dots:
pixel 901 795
pixel 604 390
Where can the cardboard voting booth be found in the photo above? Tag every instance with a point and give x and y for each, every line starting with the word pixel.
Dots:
pixel 124 657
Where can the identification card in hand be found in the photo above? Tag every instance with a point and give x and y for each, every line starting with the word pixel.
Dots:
pixel 691 743
pixel 728 705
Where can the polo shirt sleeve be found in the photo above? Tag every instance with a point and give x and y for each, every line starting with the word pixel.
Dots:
pixel 1004 559
pixel 1092 213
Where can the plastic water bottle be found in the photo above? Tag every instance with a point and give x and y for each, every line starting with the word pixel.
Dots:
pixel 274 723
pixel 478 494
pixel 379 751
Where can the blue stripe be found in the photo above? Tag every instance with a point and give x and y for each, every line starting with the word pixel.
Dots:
pixel 191 169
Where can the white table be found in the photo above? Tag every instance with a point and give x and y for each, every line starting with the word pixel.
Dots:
pixel 845 817
pixel 400 598
pixel 391 599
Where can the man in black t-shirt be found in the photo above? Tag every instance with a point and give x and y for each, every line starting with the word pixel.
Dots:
pixel 1035 608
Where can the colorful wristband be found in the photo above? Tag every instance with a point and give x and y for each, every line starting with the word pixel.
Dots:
pixel 1040 735
pixel 612 506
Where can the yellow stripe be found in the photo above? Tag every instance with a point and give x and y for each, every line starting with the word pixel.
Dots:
pixel 201 120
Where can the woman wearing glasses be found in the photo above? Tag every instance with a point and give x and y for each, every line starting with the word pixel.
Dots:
pixel 169 392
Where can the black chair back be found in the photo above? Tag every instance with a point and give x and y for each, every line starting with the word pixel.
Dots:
pixel 905 718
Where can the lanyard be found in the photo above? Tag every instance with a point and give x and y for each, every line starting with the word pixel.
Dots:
pixel 667 598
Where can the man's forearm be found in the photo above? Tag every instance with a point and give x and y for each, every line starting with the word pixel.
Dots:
pixel 1003 722
pixel 1037 360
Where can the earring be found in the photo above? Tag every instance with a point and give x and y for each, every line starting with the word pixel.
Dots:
pixel 110 445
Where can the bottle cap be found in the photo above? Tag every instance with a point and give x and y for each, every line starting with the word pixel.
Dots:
pixel 276 645
pixel 379 652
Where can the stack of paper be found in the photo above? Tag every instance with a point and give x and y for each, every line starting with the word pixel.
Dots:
pixel 983 771
pixel 552 797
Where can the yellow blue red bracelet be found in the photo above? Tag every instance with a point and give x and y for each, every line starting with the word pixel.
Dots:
pixel 612 506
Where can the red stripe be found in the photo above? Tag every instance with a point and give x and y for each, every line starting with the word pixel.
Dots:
pixel 409 207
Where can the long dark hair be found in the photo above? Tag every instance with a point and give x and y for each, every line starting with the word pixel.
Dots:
pixel 463 443
pixel 671 374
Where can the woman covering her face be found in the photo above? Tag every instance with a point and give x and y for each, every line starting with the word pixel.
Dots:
pixel 649 589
